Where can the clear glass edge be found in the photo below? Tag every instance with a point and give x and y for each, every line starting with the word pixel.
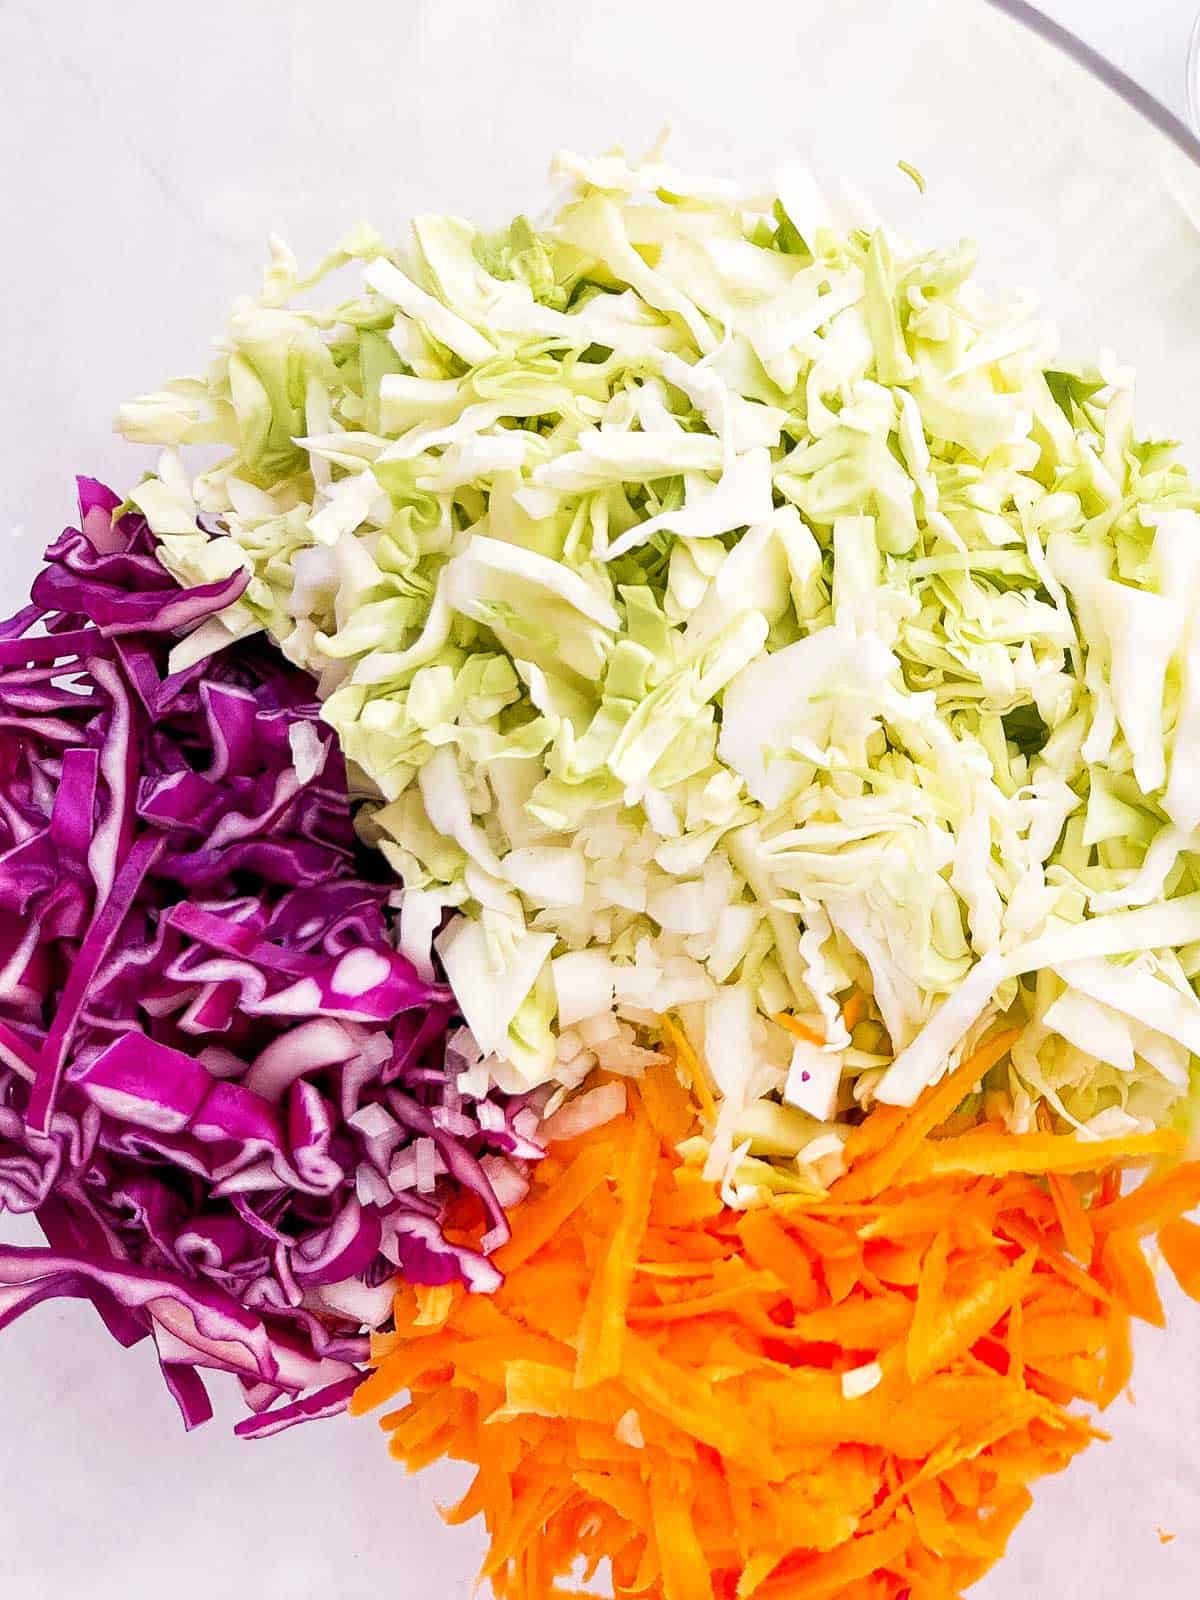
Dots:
pixel 1134 96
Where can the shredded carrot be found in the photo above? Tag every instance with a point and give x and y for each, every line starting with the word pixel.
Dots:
pixel 1077 1230
pixel 686 1577
pixel 854 1010
pixel 993 1152
pixel 798 1029
pixel 1164 1537
pixel 1022 1233
pixel 691 1064
pixel 544 1217
pixel 1072 1215
pixel 669 1107
pixel 874 1132
pixel 658 1383
pixel 602 1327
pixel 1168 1194
pixel 1179 1242
pixel 1019 1342
pixel 952 1327
pixel 1128 1275
pixel 433 1302
pixel 770 1246
pixel 906 1133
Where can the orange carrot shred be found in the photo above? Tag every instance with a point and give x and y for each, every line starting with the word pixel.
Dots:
pixel 1179 1242
pixel 906 1135
pixel 1166 1195
pixel 1021 1233
pixel 771 1247
pixel 854 1010
pixel 668 1107
pixel 685 1571
pixel 798 1029
pixel 694 1068
pixel 1073 1219
pixel 1019 1343
pixel 554 1206
pixel 839 1398
pixel 931 1287
pixel 993 1153
pixel 697 1305
pixel 874 1133
pixel 954 1326
pixel 1128 1275
pixel 832 1573
pixel 602 1326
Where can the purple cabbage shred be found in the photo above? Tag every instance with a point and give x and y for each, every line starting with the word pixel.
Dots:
pixel 224 1094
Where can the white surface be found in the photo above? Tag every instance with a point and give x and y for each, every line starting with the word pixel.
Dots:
pixel 149 148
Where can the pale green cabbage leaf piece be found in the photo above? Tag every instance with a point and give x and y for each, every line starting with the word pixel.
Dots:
pixel 723 604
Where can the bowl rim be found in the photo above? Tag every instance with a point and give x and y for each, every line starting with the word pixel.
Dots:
pixel 1133 94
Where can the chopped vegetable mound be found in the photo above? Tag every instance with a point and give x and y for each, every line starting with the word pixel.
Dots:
pixel 843 1398
pixel 234 1109
pixel 730 606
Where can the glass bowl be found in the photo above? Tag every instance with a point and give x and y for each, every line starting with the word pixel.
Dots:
pixel 152 149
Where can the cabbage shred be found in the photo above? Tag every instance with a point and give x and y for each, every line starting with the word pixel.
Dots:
pixel 725 606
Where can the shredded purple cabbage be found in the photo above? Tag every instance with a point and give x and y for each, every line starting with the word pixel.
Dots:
pixel 223 1093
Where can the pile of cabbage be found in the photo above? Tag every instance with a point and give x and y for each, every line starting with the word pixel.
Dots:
pixel 728 606
pixel 234 1108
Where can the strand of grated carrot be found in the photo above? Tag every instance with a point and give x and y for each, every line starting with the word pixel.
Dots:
pixel 1077 1231
pixel 690 1063
pixel 810 1400
pixel 891 1135
pixel 797 1028
pixel 1179 1242
pixel 602 1327
pixel 854 1010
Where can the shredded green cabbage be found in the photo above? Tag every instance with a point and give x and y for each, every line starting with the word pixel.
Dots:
pixel 728 605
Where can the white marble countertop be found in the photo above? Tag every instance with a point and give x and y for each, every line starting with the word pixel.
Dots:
pixel 148 148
